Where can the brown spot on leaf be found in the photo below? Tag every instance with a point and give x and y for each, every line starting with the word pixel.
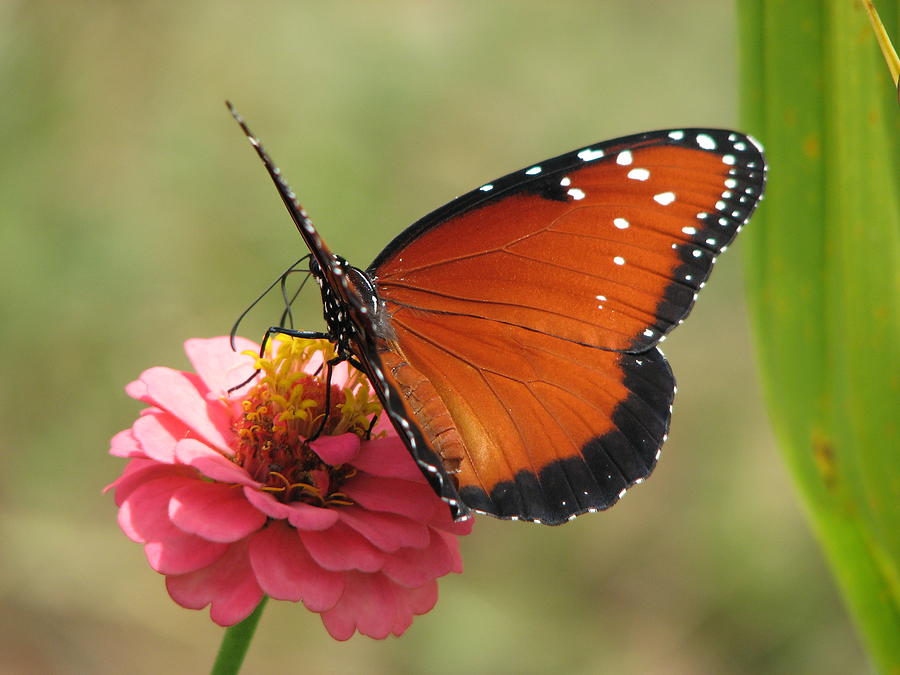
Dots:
pixel 824 456
pixel 812 147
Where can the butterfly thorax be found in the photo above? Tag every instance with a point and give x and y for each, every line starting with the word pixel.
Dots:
pixel 351 305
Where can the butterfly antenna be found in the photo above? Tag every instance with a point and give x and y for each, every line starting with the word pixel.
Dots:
pixel 233 333
pixel 262 352
pixel 298 214
pixel 287 315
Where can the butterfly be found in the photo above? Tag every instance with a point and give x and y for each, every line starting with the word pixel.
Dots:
pixel 512 334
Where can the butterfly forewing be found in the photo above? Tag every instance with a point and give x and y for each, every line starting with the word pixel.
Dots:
pixel 605 246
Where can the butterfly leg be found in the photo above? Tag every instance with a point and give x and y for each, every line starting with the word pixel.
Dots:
pixel 329 369
pixel 372 424
pixel 290 332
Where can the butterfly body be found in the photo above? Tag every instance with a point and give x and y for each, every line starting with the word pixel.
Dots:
pixel 512 333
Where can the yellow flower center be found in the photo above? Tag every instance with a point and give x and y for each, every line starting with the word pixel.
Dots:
pixel 285 407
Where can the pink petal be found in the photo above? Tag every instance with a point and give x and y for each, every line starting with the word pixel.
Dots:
pixel 135 474
pixel 139 471
pixel 388 457
pixel 210 463
pixel 412 601
pixel 144 514
pixel 422 599
pixel 308 517
pixel 412 567
pixel 452 543
pixel 218 365
pixel 144 518
pixel 124 445
pixel 341 548
pixel 184 396
pixel 442 520
pixel 181 553
pixel 336 450
pixel 229 585
pixel 369 604
pixel 403 617
pixel 387 531
pixel 413 500
pixel 214 511
pixel 285 571
pixel 157 433
pixel 300 515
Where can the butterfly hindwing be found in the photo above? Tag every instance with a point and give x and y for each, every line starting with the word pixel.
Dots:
pixel 550 428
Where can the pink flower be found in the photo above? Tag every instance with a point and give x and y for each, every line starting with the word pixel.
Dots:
pixel 231 502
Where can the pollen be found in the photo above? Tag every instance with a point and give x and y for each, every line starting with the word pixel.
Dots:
pixel 286 409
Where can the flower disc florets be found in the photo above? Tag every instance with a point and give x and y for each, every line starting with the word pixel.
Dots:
pixel 285 408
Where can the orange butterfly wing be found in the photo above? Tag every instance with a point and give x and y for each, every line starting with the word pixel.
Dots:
pixel 522 317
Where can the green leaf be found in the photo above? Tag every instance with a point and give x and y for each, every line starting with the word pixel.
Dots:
pixel 822 275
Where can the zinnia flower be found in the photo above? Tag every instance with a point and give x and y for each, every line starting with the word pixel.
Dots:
pixel 231 501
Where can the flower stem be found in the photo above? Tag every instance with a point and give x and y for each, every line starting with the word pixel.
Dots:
pixel 236 642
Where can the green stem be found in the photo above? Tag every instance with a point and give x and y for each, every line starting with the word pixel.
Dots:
pixel 236 642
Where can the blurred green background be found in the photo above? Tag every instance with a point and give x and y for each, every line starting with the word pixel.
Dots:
pixel 134 216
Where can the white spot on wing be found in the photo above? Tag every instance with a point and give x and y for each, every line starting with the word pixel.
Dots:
pixel 621 223
pixel 689 230
pixel 676 135
pixel 664 198
pixel 706 142
pixel 533 171
pixel 486 188
pixel 639 174
pixel 619 260
pixel 575 193
pixel 588 155
pixel 624 158
pixel 565 182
